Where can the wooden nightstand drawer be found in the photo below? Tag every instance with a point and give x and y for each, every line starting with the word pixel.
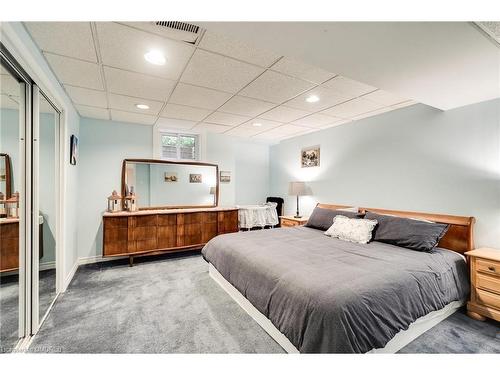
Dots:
pixel 488 299
pixel 490 283
pixel 290 221
pixel 488 266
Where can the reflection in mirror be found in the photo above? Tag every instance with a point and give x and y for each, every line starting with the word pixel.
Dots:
pixel 48 120
pixel 171 184
pixel 10 99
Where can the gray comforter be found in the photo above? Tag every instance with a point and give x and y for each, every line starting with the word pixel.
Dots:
pixel 330 296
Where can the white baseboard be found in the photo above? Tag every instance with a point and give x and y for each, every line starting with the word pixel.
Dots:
pixel 97 259
pixel 47 266
pixel 70 276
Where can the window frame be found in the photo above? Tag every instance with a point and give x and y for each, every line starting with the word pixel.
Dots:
pixel 179 134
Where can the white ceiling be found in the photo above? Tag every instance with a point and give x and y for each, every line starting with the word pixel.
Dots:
pixel 442 64
pixel 218 84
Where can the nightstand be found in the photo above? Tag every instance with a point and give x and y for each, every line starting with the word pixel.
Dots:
pixel 485 284
pixel 290 221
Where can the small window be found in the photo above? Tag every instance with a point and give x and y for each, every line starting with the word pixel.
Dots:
pixel 179 146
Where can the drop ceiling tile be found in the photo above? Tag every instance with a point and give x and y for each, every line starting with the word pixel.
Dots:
pixel 8 85
pixel 327 98
pixel 241 51
pixel 336 123
pixel 226 119
pixel 169 123
pixel 123 82
pixel 264 124
pixel 352 108
pixel 282 131
pixel 73 39
pixel 241 105
pixel 316 120
pixel 212 128
pixel 348 86
pixel 131 117
pixel 92 112
pixel 75 72
pixel 7 102
pixel 275 87
pixel 124 47
pixel 127 103
pixel 384 98
pixel 182 112
pixel 372 113
pixel 88 97
pixel 218 72
pixel 284 114
pixel 303 71
pixel 404 104
pixel 200 97
pixel 241 131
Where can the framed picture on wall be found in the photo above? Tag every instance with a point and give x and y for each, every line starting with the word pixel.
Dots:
pixel 170 176
pixel 225 177
pixel 73 149
pixel 195 178
pixel 310 157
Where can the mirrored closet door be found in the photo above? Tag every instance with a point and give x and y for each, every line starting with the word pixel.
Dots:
pixel 13 95
pixel 45 171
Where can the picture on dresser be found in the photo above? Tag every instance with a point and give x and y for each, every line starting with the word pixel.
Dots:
pixel 310 157
pixel 225 177
pixel 195 178
pixel 170 176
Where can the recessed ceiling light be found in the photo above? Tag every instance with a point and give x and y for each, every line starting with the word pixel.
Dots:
pixel 142 106
pixel 257 124
pixel 155 57
pixel 312 99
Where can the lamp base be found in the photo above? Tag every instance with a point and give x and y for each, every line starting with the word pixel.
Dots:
pixel 297 216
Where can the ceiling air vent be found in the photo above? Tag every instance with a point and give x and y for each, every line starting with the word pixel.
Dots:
pixel 182 26
pixel 184 31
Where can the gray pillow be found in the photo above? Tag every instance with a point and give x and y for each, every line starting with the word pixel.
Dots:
pixel 409 233
pixel 322 218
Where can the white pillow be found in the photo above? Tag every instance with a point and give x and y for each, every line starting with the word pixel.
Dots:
pixel 352 230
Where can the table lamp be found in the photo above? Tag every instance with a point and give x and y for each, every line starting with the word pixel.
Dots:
pixel 297 188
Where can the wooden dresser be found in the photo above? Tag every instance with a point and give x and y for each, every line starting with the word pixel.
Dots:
pixel 485 284
pixel 9 244
pixel 168 230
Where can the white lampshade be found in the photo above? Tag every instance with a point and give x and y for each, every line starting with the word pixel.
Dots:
pixel 297 188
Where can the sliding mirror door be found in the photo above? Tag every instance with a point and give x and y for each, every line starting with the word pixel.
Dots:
pixel 12 122
pixel 45 153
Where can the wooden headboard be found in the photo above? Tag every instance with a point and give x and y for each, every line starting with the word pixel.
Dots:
pixel 459 237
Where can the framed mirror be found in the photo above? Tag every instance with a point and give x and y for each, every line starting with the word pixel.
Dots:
pixel 160 184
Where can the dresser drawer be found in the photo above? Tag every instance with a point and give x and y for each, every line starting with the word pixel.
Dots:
pixel 488 299
pixel 488 266
pixel 487 282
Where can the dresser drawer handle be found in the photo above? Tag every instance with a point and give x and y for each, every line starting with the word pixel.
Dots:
pixel 491 268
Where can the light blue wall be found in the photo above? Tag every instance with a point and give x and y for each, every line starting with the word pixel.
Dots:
pixel 416 158
pixel 104 145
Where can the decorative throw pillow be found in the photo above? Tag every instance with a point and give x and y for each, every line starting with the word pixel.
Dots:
pixel 409 233
pixel 322 218
pixel 352 230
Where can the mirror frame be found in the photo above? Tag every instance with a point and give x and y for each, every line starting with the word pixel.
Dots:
pixel 158 161
pixel 8 176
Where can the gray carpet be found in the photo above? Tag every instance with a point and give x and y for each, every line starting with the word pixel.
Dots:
pixel 9 305
pixel 171 305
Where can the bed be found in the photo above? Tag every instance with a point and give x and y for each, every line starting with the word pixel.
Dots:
pixel 315 294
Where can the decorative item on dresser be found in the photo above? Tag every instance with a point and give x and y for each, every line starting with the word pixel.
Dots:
pixel 485 284
pixel 292 221
pixel 170 230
